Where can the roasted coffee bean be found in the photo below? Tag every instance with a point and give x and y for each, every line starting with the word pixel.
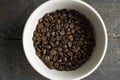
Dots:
pixel 69 64
pixel 47 58
pixel 61 68
pixel 50 65
pixel 61 54
pixel 55 58
pixel 44 51
pixel 40 20
pixel 64 40
pixel 59 49
pixel 62 33
pixel 56 65
pixel 70 44
pixel 66 50
pixel 65 59
pixel 71 25
pixel 53 33
pixel 57 43
pixel 40 25
pixel 53 52
pixel 60 60
pixel 38 54
pixel 71 38
pixel 73 31
pixel 68 69
pixel 68 33
pixel 34 38
pixel 43 38
pixel 48 47
pixel 70 53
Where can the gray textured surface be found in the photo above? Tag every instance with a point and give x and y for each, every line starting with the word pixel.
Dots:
pixel 13 64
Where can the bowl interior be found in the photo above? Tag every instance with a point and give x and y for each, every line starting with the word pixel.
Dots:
pixel 100 34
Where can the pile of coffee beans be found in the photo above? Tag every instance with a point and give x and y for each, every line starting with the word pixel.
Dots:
pixel 64 39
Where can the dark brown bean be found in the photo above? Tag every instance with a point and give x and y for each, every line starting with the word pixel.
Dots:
pixel 60 60
pixel 53 33
pixel 47 58
pixel 65 59
pixel 69 64
pixel 70 44
pixel 55 58
pixel 53 52
pixel 44 51
pixel 71 38
pixel 70 53
pixel 62 33
pixel 56 65
pixel 71 25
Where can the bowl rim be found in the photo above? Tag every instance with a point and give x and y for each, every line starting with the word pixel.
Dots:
pixel 104 28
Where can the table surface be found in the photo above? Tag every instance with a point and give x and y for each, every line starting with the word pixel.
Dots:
pixel 13 64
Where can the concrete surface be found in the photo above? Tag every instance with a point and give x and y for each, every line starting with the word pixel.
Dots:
pixel 13 64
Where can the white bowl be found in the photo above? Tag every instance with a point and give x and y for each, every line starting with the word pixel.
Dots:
pixel 100 33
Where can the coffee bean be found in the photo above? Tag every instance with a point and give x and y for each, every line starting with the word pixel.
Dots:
pixel 55 58
pixel 58 21
pixel 47 15
pixel 68 29
pixel 70 53
pixel 43 38
pixel 53 52
pixel 57 43
pixel 70 44
pixel 64 15
pixel 68 33
pixel 37 43
pixel 48 47
pixel 46 19
pixel 43 57
pixel 34 38
pixel 66 26
pixel 64 40
pixel 65 46
pixel 66 50
pixel 60 68
pixel 40 25
pixel 51 18
pixel 75 58
pixel 38 50
pixel 50 63
pixel 56 65
pixel 59 49
pixel 71 58
pixel 53 33
pixel 73 31
pixel 52 44
pixel 40 20
pixel 69 64
pixel 62 33
pixel 38 54
pixel 44 51
pixel 71 25
pixel 61 54
pixel 47 58
pixel 67 68
pixel 71 38
pixel 65 59
pixel 60 60
pixel 77 22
